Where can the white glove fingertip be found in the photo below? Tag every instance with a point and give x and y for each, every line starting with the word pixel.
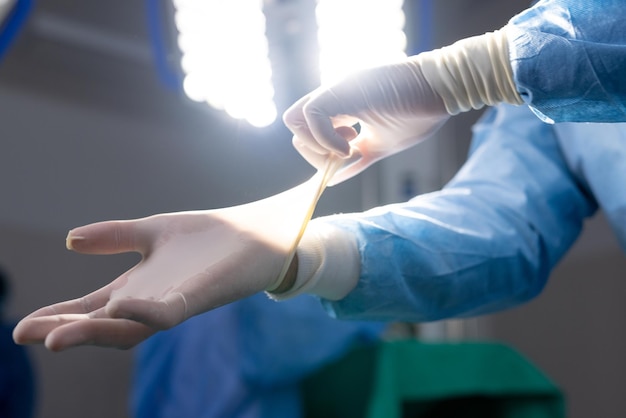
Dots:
pixel 324 134
pixel 312 156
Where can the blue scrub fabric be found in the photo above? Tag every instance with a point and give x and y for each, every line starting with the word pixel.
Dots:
pixel 569 59
pixel 243 360
pixel 490 238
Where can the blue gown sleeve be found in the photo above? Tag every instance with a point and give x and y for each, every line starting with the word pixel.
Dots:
pixel 486 242
pixel 569 59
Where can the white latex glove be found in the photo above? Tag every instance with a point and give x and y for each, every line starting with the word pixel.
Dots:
pixel 399 105
pixel 192 262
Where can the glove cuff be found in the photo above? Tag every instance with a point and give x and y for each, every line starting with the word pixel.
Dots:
pixel 472 72
pixel 328 263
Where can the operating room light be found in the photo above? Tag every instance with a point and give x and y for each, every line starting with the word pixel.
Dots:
pixel 358 34
pixel 225 50
pixel 225 57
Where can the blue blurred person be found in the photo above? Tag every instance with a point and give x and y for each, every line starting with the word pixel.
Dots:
pixel 17 381
pixel 243 360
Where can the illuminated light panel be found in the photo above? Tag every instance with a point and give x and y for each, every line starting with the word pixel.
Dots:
pixel 358 34
pixel 225 57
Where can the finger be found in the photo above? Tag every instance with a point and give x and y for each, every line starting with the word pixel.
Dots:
pixel 345 121
pixel 158 314
pixel 111 237
pixel 347 132
pixel 329 124
pixel 319 161
pixel 296 122
pixel 114 333
pixel 34 327
pixel 323 131
pixel 35 330
pixel 314 158
pixel 298 117
pixel 83 305
pixel 361 158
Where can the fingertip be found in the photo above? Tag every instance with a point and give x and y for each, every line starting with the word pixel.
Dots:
pixel 339 142
pixel 17 334
pixel 341 148
pixel 118 309
pixel 289 116
pixel 52 345
pixel 26 333
pixel 297 142
pixel 58 341
pixel 304 148
pixel 108 237
pixel 72 240
pixel 348 133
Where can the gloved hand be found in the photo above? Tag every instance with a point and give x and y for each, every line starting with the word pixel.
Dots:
pixel 399 105
pixel 192 262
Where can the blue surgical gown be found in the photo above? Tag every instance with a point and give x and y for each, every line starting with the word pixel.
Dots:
pixel 243 360
pixel 490 238
pixel 569 59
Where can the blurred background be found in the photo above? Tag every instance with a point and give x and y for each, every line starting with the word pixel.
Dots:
pixel 94 127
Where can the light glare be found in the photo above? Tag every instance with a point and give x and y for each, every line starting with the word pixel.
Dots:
pixel 225 57
pixel 358 34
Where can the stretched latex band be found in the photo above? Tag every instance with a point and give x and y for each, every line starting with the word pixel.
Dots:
pixel 321 178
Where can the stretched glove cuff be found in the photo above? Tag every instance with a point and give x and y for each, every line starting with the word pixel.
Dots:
pixel 472 72
pixel 328 263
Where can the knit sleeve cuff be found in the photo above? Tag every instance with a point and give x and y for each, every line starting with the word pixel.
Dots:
pixel 328 263
pixel 472 72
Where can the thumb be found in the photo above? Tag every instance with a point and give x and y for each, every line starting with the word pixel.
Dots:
pixel 111 237
pixel 358 160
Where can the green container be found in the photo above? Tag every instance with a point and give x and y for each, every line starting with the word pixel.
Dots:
pixel 411 379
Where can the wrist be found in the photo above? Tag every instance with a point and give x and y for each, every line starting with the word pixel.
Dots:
pixel 326 264
pixel 472 72
pixel 289 280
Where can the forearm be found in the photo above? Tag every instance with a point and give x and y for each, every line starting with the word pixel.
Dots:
pixel 446 255
pixel 486 242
